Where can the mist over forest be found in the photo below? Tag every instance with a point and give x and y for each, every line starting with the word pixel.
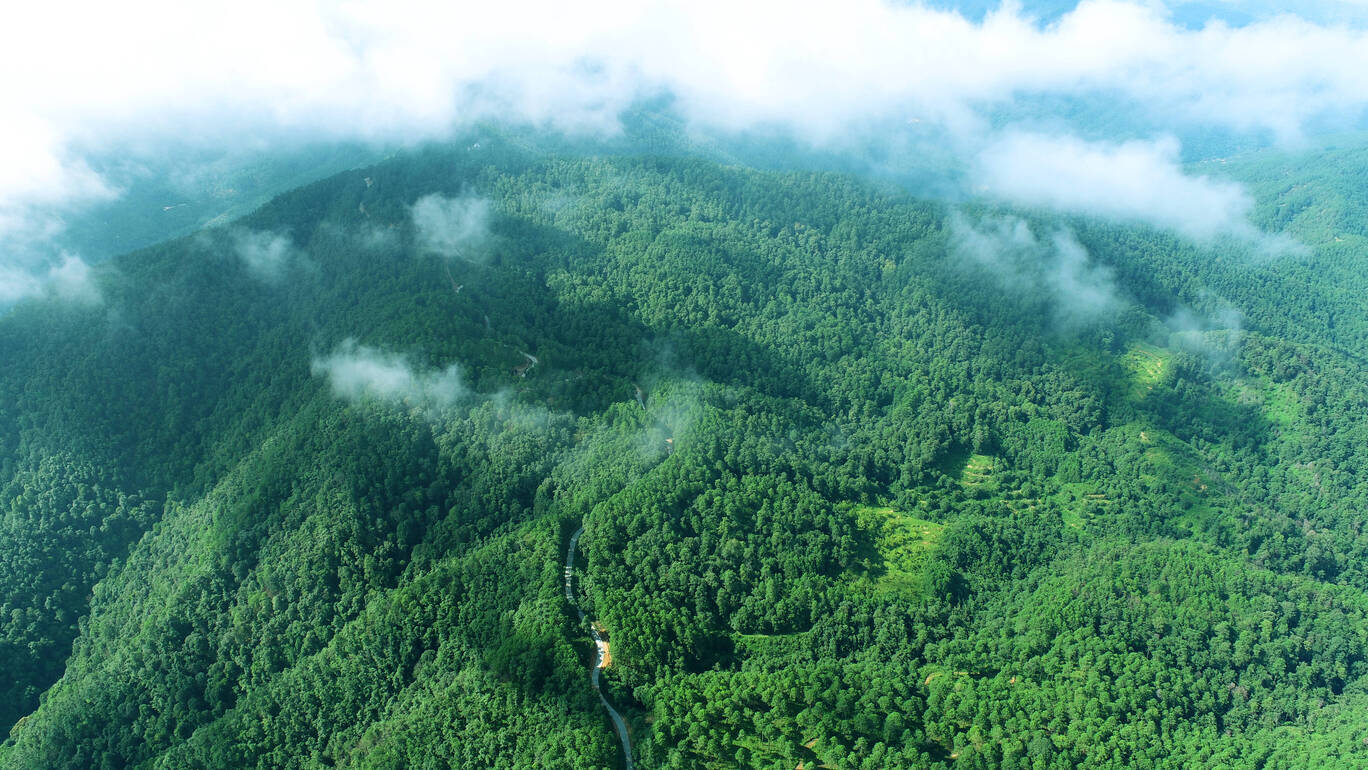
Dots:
pixel 861 385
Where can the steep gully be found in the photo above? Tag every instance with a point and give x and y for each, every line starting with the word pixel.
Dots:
pixel 600 650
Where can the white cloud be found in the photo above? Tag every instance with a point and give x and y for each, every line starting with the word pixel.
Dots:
pixel 455 228
pixel 1140 181
pixel 36 168
pixel 267 255
pixel 128 78
pixel 67 280
pixel 71 280
pixel 357 372
pixel 16 284
pixel 410 68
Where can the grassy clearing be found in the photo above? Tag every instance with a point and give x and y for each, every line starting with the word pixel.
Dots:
pixel 769 753
pixel 902 545
pixel 1147 365
pixel 954 462
pixel 1282 407
pixel 1164 462
pixel 771 645
pixel 982 477
pixel 1080 503
pixel 978 470
pixel 1169 458
pixel 1277 401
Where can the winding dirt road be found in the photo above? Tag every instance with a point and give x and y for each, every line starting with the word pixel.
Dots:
pixel 600 648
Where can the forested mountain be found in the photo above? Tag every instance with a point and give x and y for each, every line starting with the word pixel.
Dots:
pixel 163 199
pixel 866 481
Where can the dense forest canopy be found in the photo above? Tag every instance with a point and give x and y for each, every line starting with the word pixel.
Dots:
pixel 863 385
pixel 854 491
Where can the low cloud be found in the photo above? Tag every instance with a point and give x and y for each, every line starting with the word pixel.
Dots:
pixel 1058 269
pixel 454 228
pixel 1215 334
pixel 412 70
pixel 266 255
pixel 1085 289
pixel 1140 181
pixel 357 372
pixel 40 177
pixel 69 280
pixel 17 284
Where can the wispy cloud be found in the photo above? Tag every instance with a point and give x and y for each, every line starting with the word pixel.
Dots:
pixel 1139 181
pixel 358 372
pixel 1215 334
pixel 455 228
pixel 1058 269
pixel 266 255
pixel 68 279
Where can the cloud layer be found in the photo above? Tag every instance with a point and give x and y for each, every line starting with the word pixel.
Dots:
pixel 253 72
pixel 357 372
pixel 414 67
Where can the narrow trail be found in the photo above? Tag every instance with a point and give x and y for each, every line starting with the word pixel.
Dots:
pixel 454 286
pixel 600 649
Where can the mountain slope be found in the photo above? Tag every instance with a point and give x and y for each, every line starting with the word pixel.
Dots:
pixel 850 495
